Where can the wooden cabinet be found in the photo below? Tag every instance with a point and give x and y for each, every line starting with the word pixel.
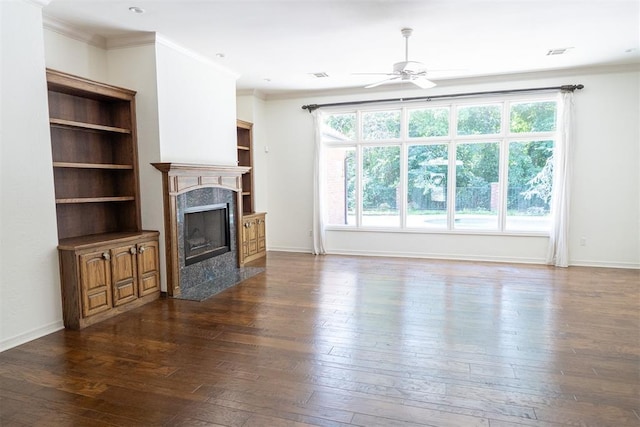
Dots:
pixel 254 244
pixel 101 279
pixel 107 263
pixel 253 236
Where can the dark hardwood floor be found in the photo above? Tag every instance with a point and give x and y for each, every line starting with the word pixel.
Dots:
pixel 350 341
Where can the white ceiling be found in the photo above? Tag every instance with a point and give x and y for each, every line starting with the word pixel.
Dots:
pixel 276 46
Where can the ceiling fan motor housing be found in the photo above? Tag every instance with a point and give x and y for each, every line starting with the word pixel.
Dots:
pixel 409 67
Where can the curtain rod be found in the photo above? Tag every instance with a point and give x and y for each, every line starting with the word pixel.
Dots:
pixel 563 88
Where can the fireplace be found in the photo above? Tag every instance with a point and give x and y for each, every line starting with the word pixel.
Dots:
pixel 191 189
pixel 206 232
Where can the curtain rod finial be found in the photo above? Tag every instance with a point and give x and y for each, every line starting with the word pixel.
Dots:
pixel 571 88
pixel 310 107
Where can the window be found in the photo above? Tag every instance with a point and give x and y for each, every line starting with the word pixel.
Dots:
pixel 454 166
pixel 427 186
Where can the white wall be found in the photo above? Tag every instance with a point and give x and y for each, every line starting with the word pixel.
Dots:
pixel 30 304
pixel 196 108
pixel 76 57
pixel 605 186
pixel 606 189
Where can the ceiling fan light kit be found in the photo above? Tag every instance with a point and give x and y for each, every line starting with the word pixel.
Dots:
pixel 410 71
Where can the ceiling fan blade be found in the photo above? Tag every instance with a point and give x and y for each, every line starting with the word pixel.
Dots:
pixel 373 74
pixel 423 83
pixel 381 82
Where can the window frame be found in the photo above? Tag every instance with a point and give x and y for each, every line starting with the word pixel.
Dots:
pixel 452 140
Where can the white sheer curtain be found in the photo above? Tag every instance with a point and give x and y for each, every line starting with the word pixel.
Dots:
pixel 318 187
pixel 558 252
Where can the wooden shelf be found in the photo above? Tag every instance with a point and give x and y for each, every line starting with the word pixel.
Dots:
pixel 95 199
pixel 94 153
pixel 93 240
pixel 245 158
pixel 74 165
pixel 86 126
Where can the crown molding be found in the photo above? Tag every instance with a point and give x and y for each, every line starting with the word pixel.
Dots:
pixel 131 40
pixel 252 92
pixel 68 30
pixel 160 39
pixel 38 3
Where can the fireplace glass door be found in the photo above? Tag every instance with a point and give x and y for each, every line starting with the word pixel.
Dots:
pixel 206 232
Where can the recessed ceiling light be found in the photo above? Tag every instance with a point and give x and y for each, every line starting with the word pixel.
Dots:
pixel 631 50
pixel 136 9
pixel 220 55
pixel 267 79
pixel 320 75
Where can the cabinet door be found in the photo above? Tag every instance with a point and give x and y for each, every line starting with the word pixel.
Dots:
pixel 246 236
pixel 253 237
pixel 262 233
pixel 148 267
pixel 124 274
pixel 95 282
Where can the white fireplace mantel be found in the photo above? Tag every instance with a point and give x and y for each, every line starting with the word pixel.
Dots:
pixel 178 178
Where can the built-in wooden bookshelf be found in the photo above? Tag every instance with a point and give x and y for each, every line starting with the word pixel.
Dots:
pixel 245 158
pixel 253 237
pixel 94 149
pixel 108 264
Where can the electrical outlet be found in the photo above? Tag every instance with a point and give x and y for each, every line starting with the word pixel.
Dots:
pixel 583 241
pixel 310 233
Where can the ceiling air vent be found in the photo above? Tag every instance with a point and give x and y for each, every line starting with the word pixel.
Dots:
pixel 559 51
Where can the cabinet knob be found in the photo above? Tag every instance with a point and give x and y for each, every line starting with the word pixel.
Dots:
pixel 142 249
pixel 133 250
pixel 247 224
pixel 106 255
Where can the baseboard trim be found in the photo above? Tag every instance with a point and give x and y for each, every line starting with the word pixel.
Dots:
pixel 418 255
pixel 452 257
pixel 289 249
pixel 471 258
pixel 31 335
pixel 605 264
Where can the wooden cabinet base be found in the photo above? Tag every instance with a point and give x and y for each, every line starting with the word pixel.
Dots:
pixel 108 274
pixel 83 322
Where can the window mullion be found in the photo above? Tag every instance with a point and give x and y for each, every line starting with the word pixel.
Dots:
pixel 359 169
pixel 503 185
pixel 451 172
pixel 404 168
pixel 503 167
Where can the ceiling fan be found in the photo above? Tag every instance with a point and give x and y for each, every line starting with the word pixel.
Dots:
pixel 411 71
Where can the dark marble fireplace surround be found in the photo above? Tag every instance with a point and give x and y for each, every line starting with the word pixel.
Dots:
pixel 212 269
